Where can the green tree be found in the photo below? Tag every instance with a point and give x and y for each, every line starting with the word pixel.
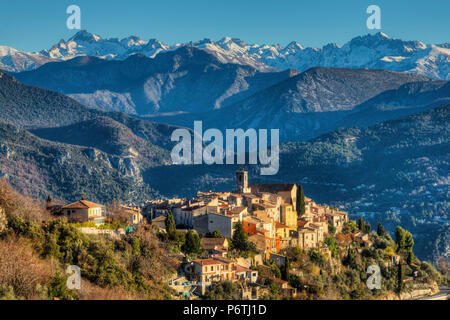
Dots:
pixel 367 227
pixel 301 204
pixel 226 290
pixel 136 247
pixel 400 277
pixel 215 234
pixel 409 242
pixel 240 239
pixel 285 270
pixel 361 224
pixel 332 245
pixel 350 259
pixel 316 257
pixel 170 226
pixel 409 257
pixel 276 271
pixel 400 235
pixel 350 227
pixel 404 240
pixel 83 196
pixel 192 244
pixel 380 230
pixel 58 289
pixel 331 229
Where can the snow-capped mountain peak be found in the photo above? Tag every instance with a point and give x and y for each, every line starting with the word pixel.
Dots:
pixel 5 50
pixel 85 36
pixel 376 50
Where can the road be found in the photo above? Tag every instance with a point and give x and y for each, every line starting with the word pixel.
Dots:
pixel 443 294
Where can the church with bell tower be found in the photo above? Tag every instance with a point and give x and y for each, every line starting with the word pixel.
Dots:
pixel 242 182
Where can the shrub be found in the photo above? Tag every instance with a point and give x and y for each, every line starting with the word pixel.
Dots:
pixel 316 257
pixel 58 289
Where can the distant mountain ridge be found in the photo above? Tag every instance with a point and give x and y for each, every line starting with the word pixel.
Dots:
pixel 188 79
pixel 314 102
pixel 374 51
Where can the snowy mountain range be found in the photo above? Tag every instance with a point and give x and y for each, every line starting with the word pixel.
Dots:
pixel 373 51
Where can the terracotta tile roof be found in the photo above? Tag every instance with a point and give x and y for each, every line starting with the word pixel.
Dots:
pixel 240 268
pixel 206 262
pixel 279 281
pixel 301 223
pixel 83 204
pixel 280 225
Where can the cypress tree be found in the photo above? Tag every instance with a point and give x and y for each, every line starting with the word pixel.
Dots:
pixel 170 226
pixel 409 241
pixel 380 230
pixel 400 277
pixel 400 238
pixel 301 209
pixel 367 227
pixel 287 266
pixel 409 257
pixel 361 225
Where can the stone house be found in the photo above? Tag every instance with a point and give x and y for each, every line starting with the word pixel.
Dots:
pixel 185 216
pixel 287 191
pixel 134 214
pixel 245 274
pixel 288 215
pixel 337 219
pixel 285 288
pixel 84 211
pixel 223 222
pixel 213 270
pixel 306 238
pixel 320 231
pixel 215 246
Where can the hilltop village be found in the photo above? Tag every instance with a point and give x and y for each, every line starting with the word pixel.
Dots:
pixel 274 217
pixel 268 213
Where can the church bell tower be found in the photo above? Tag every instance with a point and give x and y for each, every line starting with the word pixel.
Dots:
pixel 242 182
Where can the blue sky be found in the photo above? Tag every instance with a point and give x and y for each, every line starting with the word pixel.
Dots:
pixel 35 25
